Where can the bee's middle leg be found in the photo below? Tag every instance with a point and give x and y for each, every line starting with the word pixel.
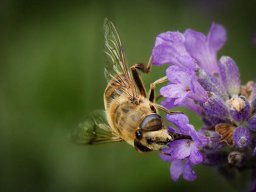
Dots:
pixel 136 75
pixel 153 86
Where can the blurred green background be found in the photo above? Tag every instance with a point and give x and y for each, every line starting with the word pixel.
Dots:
pixel 51 76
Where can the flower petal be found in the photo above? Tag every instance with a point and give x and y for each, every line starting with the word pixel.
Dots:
pixel 183 126
pixel 196 157
pixel 177 74
pixel 215 106
pixel 174 91
pixel 168 46
pixel 198 47
pixel 176 169
pixel 188 173
pixel 230 75
pixel 187 79
pixel 178 119
pixel 216 36
pixel 180 149
pixel 169 103
pixel 162 54
pixel 187 62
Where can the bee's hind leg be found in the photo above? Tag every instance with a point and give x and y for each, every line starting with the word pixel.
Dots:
pixel 136 76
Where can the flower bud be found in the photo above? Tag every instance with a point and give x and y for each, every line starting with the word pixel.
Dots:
pixel 210 83
pixel 229 74
pixel 242 137
pixel 239 108
pixel 252 123
pixel 215 106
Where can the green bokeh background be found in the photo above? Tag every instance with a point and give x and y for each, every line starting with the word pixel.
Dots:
pixel 51 76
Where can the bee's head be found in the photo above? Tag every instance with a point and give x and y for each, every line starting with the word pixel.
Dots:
pixel 151 135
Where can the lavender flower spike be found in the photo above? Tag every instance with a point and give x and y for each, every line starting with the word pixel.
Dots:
pixel 211 88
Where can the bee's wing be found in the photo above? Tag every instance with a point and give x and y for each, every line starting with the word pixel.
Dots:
pixel 116 67
pixel 94 130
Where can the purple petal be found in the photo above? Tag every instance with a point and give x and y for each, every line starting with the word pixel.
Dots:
pixel 177 74
pixel 242 137
pixel 196 156
pixel 198 46
pixel 188 81
pixel 187 62
pixel 183 126
pixel 188 173
pixel 168 46
pixel 216 37
pixel 176 39
pixel 252 122
pixel 199 93
pixel 178 119
pixel 180 149
pixel 169 103
pixel 161 54
pixel 193 106
pixel 230 75
pixel 176 169
pixel 202 138
pixel 215 106
pixel 174 91
pixel 211 139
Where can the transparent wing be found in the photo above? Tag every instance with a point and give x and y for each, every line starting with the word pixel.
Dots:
pixel 116 67
pixel 94 130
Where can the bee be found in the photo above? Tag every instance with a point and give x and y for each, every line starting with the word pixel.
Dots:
pixel 130 115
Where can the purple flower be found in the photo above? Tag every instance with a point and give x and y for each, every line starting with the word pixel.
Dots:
pixel 183 154
pixel 184 168
pixel 211 88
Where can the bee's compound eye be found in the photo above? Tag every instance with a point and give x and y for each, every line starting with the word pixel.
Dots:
pixel 152 122
pixel 138 134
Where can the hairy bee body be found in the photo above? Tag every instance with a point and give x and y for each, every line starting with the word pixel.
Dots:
pixel 123 115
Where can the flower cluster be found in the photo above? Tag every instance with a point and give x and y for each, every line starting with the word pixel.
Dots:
pixel 211 88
